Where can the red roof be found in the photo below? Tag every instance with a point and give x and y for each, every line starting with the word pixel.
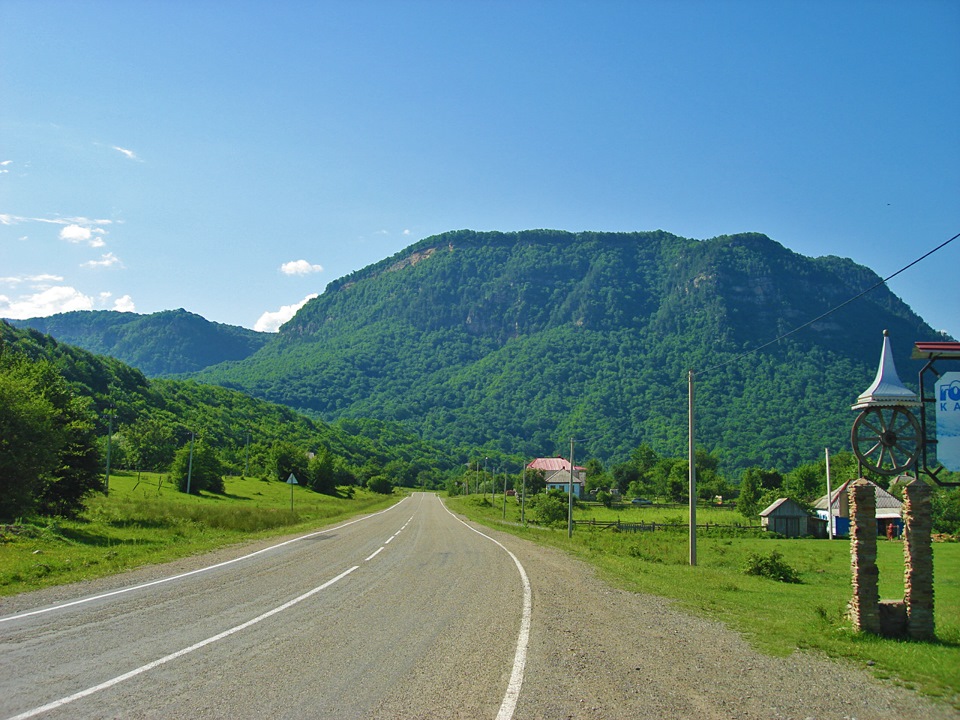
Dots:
pixel 552 464
pixel 936 350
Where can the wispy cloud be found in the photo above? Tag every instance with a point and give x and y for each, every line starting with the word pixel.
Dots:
pixel 271 321
pixel 5 166
pixel 130 154
pixel 300 267
pixel 35 279
pixel 106 260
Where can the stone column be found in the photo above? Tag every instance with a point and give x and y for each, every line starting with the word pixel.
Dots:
pixel 865 605
pixel 918 560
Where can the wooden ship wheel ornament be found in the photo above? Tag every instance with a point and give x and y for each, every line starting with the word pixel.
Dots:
pixel 886 435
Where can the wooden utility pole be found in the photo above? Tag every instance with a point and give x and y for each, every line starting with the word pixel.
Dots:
pixel 692 459
pixel 570 495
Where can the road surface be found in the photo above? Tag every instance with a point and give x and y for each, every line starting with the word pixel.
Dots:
pixel 407 605
pixel 405 614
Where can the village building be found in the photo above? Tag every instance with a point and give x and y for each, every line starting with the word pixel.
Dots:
pixel 889 511
pixel 790 519
pixel 556 472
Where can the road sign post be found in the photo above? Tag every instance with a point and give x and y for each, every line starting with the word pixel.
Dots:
pixel 291 481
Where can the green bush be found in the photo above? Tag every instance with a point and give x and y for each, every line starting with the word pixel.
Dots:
pixel 548 509
pixel 771 566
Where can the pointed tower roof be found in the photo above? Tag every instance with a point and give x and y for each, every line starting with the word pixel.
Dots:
pixel 886 390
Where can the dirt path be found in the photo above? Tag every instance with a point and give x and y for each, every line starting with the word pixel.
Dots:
pixel 599 652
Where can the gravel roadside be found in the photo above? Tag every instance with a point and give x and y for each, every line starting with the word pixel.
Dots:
pixel 599 652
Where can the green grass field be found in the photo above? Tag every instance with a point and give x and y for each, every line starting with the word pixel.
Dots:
pixel 146 520
pixel 776 617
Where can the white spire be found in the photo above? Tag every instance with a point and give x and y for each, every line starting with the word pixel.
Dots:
pixel 886 390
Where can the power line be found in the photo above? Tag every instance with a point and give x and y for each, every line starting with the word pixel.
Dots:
pixel 829 312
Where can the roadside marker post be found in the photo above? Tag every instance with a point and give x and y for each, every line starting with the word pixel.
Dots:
pixel 291 481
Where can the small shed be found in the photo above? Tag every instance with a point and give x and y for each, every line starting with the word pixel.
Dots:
pixel 790 519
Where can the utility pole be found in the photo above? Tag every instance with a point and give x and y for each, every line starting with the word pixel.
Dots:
pixel 570 495
pixel 190 462
pixel 826 452
pixel 692 459
pixel 106 482
pixel 523 496
pixel 504 493
pixel 485 478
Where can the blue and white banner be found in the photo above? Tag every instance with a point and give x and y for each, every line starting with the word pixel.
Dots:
pixel 948 420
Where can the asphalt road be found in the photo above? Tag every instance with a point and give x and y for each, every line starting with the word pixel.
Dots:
pixel 408 612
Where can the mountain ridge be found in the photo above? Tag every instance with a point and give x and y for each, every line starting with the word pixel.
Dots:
pixel 516 342
pixel 168 342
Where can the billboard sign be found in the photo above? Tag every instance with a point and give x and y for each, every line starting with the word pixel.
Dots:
pixel 947 392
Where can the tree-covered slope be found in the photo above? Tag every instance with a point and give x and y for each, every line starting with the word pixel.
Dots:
pixel 163 343
pixel 236 425
pixel 520 341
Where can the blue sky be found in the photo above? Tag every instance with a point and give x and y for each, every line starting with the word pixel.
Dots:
pixel 232 158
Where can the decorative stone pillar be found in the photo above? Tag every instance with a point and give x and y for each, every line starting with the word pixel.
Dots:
pixel 865 605
pixel 918 560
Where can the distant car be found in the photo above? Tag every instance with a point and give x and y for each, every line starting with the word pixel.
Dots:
pixel 641 501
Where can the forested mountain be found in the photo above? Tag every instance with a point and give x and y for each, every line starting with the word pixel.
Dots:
pixel 163 343
pixel 519 341
pixel 152 418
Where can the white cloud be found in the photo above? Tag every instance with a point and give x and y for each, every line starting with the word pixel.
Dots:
pixel 124 304
pixel 406 231
pixel 271 321
pixel 76 233
pixel 299 267
pixel 106 260
pixel 126 153
pixel 3 166
pixel 50 301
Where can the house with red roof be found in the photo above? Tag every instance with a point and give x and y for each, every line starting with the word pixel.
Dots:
pixel 556 471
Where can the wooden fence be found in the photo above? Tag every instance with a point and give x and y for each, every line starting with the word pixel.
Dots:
pixel 618 526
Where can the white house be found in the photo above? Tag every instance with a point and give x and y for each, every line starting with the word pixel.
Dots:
pixel 557 473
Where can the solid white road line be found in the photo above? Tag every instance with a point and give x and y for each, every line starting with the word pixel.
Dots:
pixel 180 653
pixel 512 695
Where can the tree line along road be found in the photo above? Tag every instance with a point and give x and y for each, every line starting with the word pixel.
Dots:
pixel 407 613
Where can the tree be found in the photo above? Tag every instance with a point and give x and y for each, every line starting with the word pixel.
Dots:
pixel 626 476
pixel 49 460
pixel 805 483
pixel 751 486
pixel 204 470
pixel 320 472
pixel 152 444
pixel 380 484
pixel 286 459
pixel 29 443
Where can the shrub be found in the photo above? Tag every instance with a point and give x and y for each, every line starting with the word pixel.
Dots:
pixel 771 566
pixel 548 509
